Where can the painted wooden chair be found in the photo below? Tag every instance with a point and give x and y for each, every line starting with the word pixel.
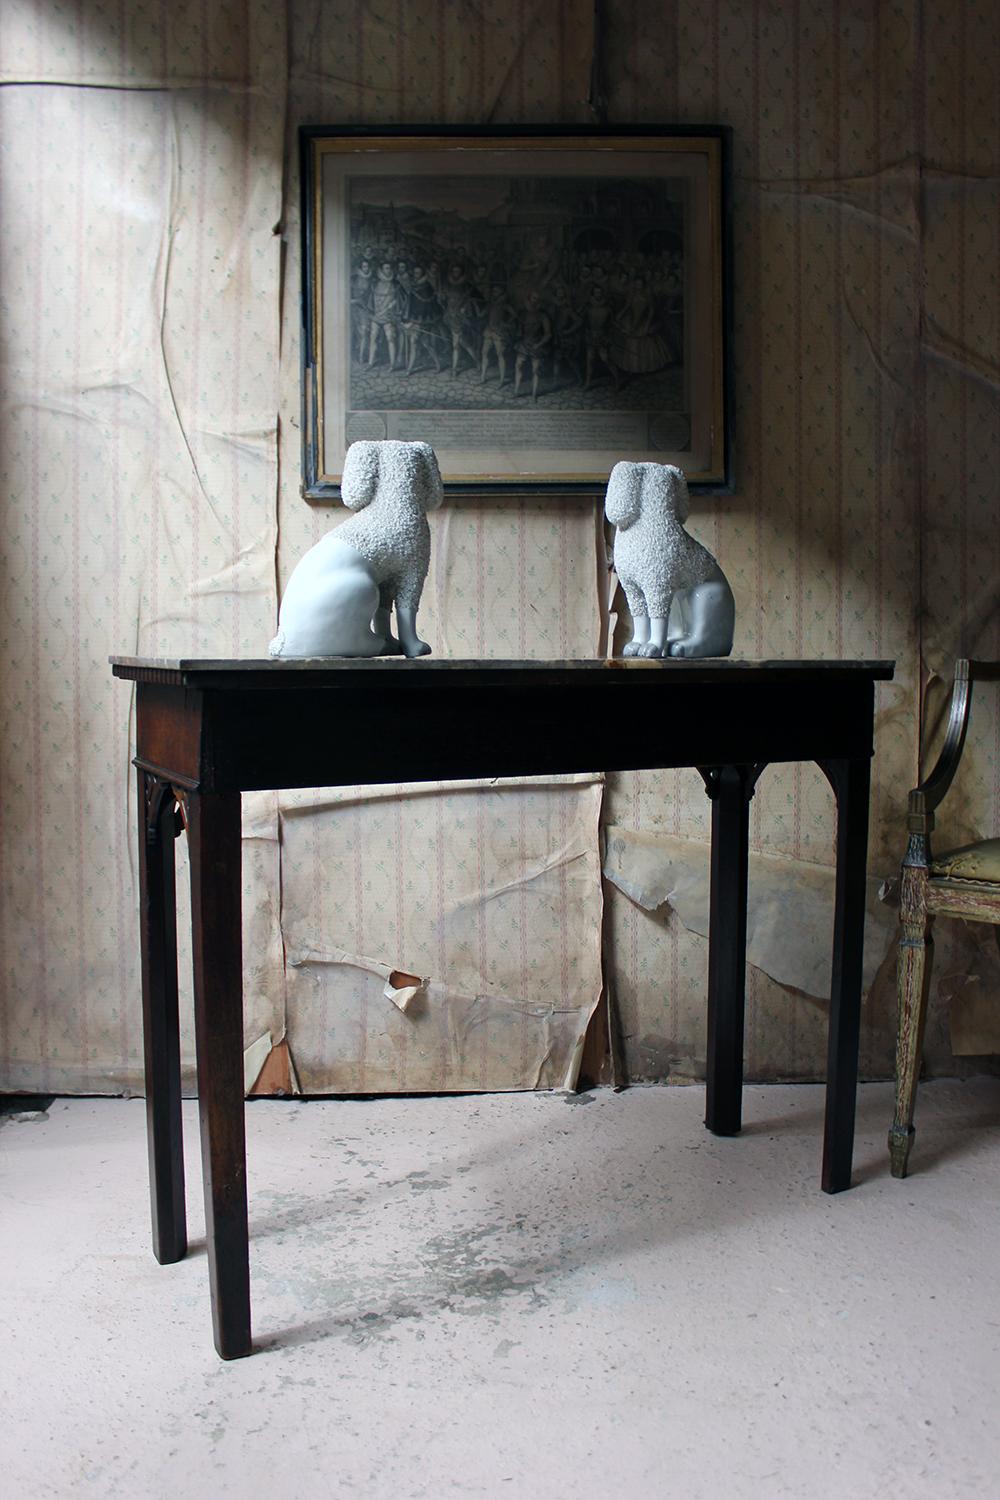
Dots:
pixel 963 883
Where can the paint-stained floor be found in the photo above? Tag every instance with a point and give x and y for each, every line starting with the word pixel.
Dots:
pixel 513 1295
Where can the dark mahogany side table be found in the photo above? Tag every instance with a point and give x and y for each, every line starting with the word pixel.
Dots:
pixel 208 730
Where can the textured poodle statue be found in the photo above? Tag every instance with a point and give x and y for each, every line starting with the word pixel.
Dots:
pixel 340 596
pixel 680 600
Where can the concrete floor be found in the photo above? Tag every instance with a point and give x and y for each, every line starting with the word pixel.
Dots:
pixel 515 1295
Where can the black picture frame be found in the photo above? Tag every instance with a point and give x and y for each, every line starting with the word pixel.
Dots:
pixel 666 218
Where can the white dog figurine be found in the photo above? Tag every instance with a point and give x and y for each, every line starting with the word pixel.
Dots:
pixel 680 600
pixel 340 596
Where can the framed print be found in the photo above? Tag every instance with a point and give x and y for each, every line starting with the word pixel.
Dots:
pixel 535 305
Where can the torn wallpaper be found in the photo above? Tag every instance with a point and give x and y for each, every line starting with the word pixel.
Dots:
pixel 789 905
pixel 150 485
pixel 488 894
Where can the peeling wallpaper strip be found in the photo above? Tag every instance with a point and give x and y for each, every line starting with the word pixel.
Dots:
pixel 790 905
pixel 492 897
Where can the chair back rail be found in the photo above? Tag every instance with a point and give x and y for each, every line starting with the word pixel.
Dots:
pixel 926 797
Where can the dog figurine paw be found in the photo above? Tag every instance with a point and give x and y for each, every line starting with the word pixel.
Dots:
pixel 679 597
pixel 340 597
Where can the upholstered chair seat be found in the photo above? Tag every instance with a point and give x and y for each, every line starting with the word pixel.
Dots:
pixel 972 862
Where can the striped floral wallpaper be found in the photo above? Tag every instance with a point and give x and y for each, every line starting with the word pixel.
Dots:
pixel 149 471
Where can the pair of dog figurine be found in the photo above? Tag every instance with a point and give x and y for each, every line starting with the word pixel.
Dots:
pixel 340 598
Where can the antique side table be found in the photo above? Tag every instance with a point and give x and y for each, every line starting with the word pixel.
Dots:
pixel 208 730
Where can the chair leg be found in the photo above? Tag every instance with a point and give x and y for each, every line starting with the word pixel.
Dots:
pixel 916 954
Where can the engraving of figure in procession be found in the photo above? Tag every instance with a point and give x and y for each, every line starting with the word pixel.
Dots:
pixel 532 294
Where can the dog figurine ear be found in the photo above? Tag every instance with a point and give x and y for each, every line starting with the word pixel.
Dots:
pixel 360 479
pixel 432 490
pixel 624 498
pixel 679 493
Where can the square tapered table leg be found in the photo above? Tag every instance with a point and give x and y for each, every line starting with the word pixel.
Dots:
pixel 850 780
pixel 730 788
pixel 160 1026
pixel 217 942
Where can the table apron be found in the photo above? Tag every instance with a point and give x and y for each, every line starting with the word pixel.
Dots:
pixel 233 740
